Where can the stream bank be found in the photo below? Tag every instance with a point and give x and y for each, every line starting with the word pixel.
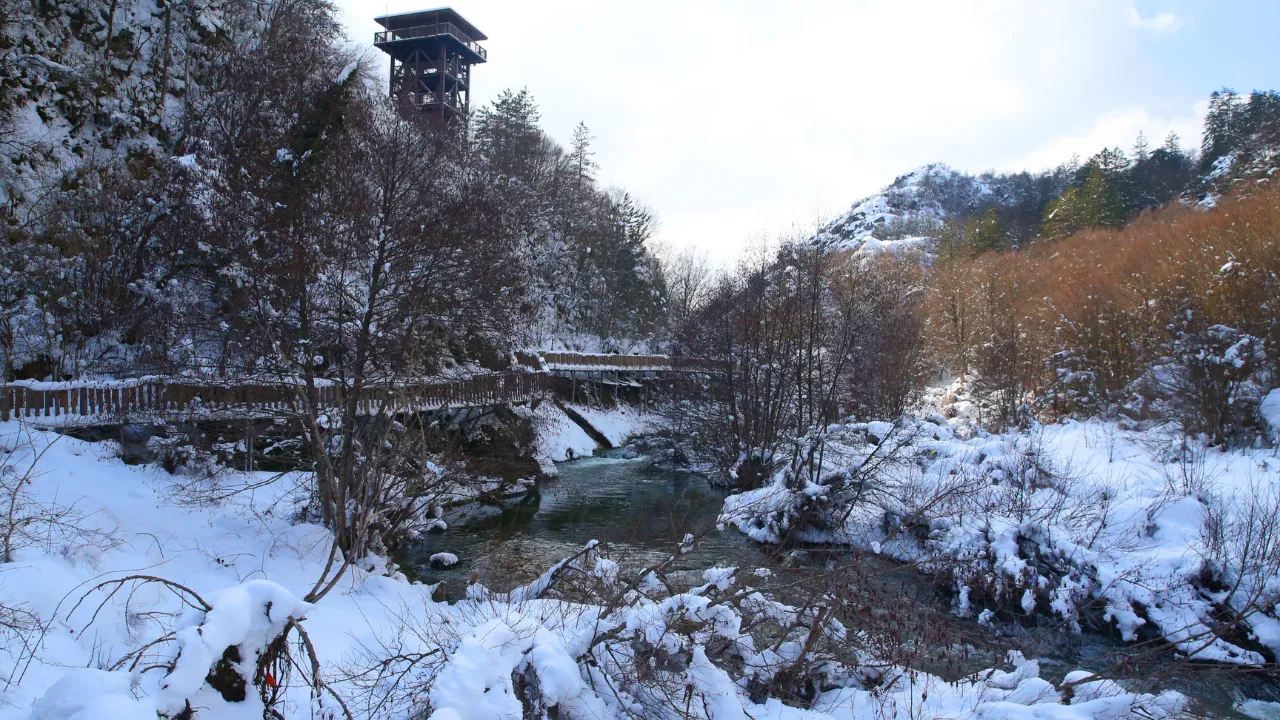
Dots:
pixel 640 512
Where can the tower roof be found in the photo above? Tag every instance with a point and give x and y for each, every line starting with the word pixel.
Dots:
pixel 418 18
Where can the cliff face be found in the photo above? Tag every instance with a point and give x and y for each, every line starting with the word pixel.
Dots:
pixel 89 81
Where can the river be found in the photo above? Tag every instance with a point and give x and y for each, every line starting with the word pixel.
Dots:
pixel 640 513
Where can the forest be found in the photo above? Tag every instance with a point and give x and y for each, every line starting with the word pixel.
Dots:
pixel 999 445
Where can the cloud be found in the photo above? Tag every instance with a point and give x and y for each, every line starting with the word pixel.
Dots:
pixel 731 122
pixel 1115 129
pixel 1165 23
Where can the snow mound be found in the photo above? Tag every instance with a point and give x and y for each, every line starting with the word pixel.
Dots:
pixel 1270 412
pixel 444 559
pixel 617 424
pixel 557 438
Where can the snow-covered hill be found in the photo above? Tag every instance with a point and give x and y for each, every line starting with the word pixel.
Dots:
pixel 914 201
pixel 907 213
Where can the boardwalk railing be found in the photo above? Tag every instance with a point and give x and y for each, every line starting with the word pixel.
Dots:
pixel 591 361
pixel 167 396
pixel 77 401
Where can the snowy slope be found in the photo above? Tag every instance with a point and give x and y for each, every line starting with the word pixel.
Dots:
pixel 911 203
pixel 83 82
pixel 618 424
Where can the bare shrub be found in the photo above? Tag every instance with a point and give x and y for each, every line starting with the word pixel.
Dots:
pixel 1083 318
pixel 663 651
pixel 26 522
pixel 1192 467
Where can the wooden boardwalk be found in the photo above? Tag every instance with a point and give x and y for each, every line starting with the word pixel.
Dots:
pixel 568 362
pixel 106 401
pixel 74 403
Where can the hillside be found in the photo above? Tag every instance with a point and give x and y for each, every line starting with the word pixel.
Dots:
pixel 1240 149
pixel 911 208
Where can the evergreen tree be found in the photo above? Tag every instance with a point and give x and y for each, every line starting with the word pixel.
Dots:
pixel 1094 203
pixel 951 241
pixel 1062 216
pixel 987 233
pixel 1262 116
pixel 507 134
pixel 1102 202
pixel 1222 126
pixel 1141 148
pixel 581 156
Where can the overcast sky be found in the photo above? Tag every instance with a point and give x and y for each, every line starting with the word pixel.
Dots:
pixel 740 118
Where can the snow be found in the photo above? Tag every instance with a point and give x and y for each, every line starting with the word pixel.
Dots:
pixel 558 438
pixel 617 424
pixel 1270 412
pixel 251 563
pixel 476 679
pixel 444 559
pixel 248 563
pixel 721 695
pixel 249 616
pixel 1110 512
pixel 347 71
pixel 89 694
pixel 1259 709
pixel 925 195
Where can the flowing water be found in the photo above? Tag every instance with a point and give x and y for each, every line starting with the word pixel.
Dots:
pixel 640 513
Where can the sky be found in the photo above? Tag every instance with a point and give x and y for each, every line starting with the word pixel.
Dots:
pixel 741 119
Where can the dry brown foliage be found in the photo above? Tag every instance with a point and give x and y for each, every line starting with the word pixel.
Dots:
pixel 1107 304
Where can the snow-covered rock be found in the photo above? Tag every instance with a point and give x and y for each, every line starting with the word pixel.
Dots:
pixel 912 203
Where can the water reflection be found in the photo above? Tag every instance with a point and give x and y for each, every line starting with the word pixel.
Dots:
pixel 638 511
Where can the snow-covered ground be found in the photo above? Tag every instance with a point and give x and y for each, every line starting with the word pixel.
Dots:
pixel 559 438
pixel 1160 530
pixel 618 423
pixel 249 560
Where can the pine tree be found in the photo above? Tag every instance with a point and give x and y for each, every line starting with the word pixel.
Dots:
pixel 1141 148
pixel 507 133
pixel 987 233
pixel 1094 203
pixel 1101 202
pixel 1162 175
pixel 951 241
pixel 581 157
pixel 1262 116
pixel 1062 216
pixel 1222 126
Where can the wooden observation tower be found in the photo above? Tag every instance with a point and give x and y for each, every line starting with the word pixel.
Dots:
pixel 432 52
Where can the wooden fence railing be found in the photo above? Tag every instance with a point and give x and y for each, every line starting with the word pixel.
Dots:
pixel 568 360
pixel 165 396
pixel 181 396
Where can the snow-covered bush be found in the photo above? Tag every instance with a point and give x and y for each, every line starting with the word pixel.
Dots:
pixel 228 650
pixel 586 641
pixel 1069 526
pixel 1212 383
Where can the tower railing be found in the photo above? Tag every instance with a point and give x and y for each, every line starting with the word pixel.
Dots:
pixel 454 68
pixel 429 100
pixel 430 31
